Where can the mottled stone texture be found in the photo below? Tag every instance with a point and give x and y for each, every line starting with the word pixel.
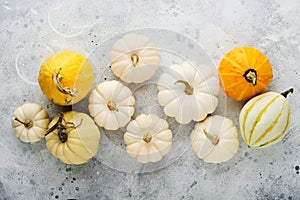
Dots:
pixel 31 30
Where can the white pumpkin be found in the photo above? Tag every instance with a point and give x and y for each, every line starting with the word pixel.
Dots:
pixel 215 139
pixel 264 119
pixel 30 122
pixel 111 104
pixel 188 93
pixel 148 138
pixel 73 137
pixel 134 58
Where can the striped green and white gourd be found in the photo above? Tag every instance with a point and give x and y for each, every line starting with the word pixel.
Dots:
pixel 264 119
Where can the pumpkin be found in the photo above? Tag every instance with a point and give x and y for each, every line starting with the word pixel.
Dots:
pixel 148 138
pixel 264 119
pixel 244 72
pixel 73 137
pixel 215 139
pixel 30 122
pixel 66 77
pixel 111 104
pixel 134 58
pixel 188 93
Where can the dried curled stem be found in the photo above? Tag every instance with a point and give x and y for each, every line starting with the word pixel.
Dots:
pixel 56 78
pixel 62 128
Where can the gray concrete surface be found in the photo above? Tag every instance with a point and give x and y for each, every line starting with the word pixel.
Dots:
pixel 202 31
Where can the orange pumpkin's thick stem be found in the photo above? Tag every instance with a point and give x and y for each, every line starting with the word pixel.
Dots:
pixel 251 76
pixel 56 78
pixel 213 139
pixel 189 89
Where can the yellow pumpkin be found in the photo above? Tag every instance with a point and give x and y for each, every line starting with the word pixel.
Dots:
pixel 66 77
pixel 73 137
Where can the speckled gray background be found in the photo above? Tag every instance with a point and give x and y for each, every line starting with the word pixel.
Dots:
pixel 31 31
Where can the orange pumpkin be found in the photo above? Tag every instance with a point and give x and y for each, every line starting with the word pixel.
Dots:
pixel 244 72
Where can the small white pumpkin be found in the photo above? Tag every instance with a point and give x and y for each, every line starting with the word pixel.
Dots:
pixel 264 119
pixel 148 138
pixel 188 93
pixel 30 122
pixel 215 139
pixel 134 58
pixel 111 104
pixel 73 137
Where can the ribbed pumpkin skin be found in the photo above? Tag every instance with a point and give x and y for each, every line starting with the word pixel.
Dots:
pixel 82 143
pixel 153 150
pixel 76 71
pixel 233 66
pixel 264 119
pixel 182 106
pixel 227 133
pixel 40 120
pixel 121 63
pixel 118 93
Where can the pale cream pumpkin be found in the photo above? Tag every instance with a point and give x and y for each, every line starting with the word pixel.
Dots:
pixel 111 104
pixel 73 137
pixel 134 58
pixel 30 122
pixel 215 139
pixel 148 138
pixel 188 93
pixel 264 119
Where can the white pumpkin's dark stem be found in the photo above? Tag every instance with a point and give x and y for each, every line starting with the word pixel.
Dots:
pixel 111 105
pixel 285 93
pixel 213 139
pixel 251 76
pixel 147 138
pixel 28 124
pixel 62 129
pixel 134 59
pixel 56 78
pixel 189 89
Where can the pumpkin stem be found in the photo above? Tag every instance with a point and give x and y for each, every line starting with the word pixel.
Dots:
pixel 56 78
pixel 134 59
pixel 147 138
pixel 58 123
pixel 189 89
pixel 251 76
pixel 213 139
pixel 112 106
pixel 62 129
pixel 285 93
pixel 27 124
